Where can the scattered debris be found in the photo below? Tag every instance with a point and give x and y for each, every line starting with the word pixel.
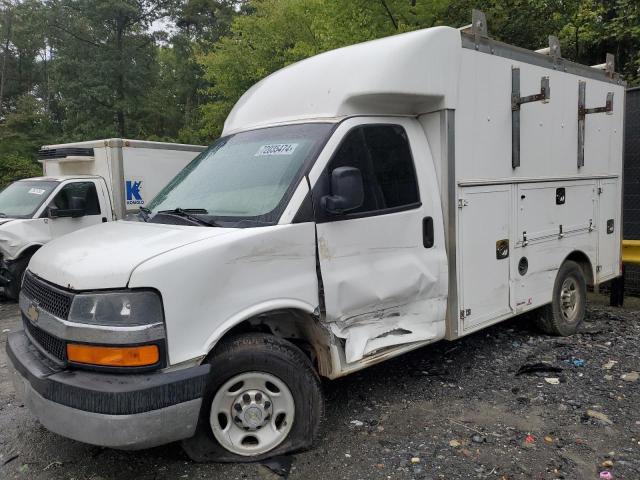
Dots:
pixel 280 466
pixel 53 464
pixel 540 367
pixel 577 362
pixel 356 423
pixel 548 439
pixel 609 365
pixel 415 460
pixel 599 416
pixel 552 380
pixel 606 475
pixel 529 439
pixel 630 377
pixel 11 458
pixel 455 444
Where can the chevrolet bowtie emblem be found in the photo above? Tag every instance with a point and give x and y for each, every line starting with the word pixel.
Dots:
pixel 33 312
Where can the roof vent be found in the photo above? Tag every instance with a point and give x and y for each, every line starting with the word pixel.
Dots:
pixel 66 154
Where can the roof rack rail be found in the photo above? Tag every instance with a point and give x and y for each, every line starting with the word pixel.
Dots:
pixel 609 66
pixel 553 50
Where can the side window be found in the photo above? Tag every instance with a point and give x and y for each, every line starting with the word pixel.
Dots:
pixel 383 155
pixel 82 190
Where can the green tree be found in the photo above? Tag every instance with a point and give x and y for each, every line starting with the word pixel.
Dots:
pixel 15 167
pixel 105 63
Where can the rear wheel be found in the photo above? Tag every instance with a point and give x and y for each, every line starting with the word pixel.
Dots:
pixel 263 399
pixel 565 313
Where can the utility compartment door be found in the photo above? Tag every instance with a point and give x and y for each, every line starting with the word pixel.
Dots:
pixel 484 242
pixel 608 230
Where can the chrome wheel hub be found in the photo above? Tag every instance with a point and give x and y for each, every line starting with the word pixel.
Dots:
pixel 252 413
pixel 569 299
pixel 252 409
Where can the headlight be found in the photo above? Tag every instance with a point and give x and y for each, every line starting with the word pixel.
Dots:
pixel 124 308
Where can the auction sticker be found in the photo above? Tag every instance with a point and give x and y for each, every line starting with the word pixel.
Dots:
pixel 276 149
pixel 36 191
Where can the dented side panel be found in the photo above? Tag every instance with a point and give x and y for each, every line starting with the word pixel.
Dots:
pixel 382 287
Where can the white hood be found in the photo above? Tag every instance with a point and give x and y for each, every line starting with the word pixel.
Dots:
pixel 104 256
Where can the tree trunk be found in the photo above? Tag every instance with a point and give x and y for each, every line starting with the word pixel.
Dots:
pixel 45 78
pixel 5 53
pixel 120 97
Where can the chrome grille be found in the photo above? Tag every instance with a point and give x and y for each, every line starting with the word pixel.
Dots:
pixel 56 302
pixel 50 344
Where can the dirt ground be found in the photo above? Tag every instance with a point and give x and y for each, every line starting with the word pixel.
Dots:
pixel 455 410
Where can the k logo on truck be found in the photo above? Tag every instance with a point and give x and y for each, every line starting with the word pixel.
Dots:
pixel 133 192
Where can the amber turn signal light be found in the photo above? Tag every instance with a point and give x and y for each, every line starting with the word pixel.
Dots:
pixel 141 356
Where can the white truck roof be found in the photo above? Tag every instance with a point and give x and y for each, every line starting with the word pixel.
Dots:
pixel 56 178
pixel 124 142
pixel 408 74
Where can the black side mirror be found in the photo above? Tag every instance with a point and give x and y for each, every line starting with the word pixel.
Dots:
pixel 347 191
pixel 77 208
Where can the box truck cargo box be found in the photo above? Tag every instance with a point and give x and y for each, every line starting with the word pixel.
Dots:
pixel 83 184
pixel 360 204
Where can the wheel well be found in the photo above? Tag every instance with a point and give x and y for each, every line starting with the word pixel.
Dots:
pixel 296 326
pixel 27 252
pixel 581 259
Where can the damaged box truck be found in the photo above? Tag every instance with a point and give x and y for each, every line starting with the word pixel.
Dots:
pixel 83 184
pixel 360 204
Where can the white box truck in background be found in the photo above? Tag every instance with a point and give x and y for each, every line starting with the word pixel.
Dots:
pixel 360 204
pixel 83 184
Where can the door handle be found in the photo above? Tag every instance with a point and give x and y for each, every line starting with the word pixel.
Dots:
pixel 427 232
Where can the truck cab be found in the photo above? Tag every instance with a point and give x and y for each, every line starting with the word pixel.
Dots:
pixel 36 210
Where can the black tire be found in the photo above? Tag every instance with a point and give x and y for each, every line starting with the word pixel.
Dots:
pixel 552 318
pixel 17 269
pixel 257 352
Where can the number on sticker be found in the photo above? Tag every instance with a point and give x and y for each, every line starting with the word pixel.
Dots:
pixel 276 149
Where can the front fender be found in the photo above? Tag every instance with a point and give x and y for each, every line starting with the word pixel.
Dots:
pixel 18 236
pixel 209 286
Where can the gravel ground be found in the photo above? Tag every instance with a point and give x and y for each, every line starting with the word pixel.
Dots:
pixel 455 410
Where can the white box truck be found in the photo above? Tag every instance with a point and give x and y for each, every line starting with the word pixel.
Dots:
pixel 83 184
pixel 360 204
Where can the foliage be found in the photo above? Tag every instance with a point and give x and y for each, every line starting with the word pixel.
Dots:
pixel 280 32
pixel 172 69
pixel 14 167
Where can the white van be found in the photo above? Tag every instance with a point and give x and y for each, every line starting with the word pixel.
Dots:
pixel 360 204
pixel 84 184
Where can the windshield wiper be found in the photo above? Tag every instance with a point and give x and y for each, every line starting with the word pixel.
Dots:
pixel 190 214
pixel 144 212
pixel 3 215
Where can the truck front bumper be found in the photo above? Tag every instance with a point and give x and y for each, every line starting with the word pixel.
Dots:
pixel 127 412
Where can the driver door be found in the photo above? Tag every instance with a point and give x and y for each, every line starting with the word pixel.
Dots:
pixel 62 200
pixel 383 265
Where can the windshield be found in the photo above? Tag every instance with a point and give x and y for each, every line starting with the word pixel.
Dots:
pixel 246 176
pixel 21 199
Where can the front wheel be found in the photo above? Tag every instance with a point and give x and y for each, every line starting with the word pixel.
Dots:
pixel 263 399
pixel 16 269
pixel 566 311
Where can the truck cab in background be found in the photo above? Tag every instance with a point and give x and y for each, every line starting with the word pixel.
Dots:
pixel 84 184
